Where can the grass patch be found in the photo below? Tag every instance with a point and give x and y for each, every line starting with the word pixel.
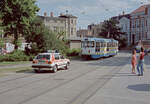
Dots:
pixel 14 63
pixel 3 72
pixel 74 57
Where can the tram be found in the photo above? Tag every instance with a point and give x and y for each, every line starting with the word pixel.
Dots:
pixel 98 47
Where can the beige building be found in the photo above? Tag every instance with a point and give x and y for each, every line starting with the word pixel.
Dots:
pixel 83 33
pixel 64 23
pixel 95 29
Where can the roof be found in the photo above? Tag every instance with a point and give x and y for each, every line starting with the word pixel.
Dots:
pixel 67 16
pixel 120 16
pixel 51 18
pixel 99 39
pixel 141 9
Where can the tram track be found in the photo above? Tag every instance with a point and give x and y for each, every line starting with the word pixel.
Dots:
pixel 112 71
pixel 60 84
pixel 30 76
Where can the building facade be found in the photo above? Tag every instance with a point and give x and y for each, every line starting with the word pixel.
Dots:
pixel 92 30
pixel 83 33
pixel 140 24
pixel 64 23
pixel 95 29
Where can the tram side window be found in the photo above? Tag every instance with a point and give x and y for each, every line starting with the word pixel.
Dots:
pixel 107 44
pixel 89 44
pixel 84 44
pixel 103 44
pixel 97 46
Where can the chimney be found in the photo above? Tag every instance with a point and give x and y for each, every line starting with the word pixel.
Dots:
pixel 146 11
pixel 61 14
pixel 45 14
pixel 51 14
pixel 123 13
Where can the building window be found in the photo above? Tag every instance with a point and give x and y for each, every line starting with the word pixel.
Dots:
pixel 72 21
pixel 146 34
pixel 55 29
pixel 146 22
pixel 75 21
pixel 71 31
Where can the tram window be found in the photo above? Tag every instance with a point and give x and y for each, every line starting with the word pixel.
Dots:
pixel 89 44
pixel 97 44
pixel 107 44
pixel 102 44
pixel 92 44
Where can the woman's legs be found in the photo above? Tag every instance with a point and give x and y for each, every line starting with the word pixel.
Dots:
pixel 142 68
pixel 139 64
pixel 133 69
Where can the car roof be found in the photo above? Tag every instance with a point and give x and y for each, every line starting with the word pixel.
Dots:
pixel 47 53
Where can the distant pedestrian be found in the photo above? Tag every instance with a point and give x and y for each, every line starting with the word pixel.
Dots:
pixel 141 62
pixel 133 61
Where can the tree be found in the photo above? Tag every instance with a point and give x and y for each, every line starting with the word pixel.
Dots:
pixel 41 39
pixel 1 36
pixel 111 30
pixel 16 16
pixel 36 36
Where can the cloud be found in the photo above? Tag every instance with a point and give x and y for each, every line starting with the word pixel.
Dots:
pixel 141 1
pixel 89 11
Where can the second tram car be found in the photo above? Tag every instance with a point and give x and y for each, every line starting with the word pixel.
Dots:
pixel 98 47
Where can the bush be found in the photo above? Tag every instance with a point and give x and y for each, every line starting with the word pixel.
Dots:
pixel 73 52
pixel 15 56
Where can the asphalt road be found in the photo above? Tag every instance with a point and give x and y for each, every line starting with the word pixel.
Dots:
pixel 86 82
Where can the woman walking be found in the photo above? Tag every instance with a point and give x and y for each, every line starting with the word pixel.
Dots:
pixel 133 61
pixel 141 62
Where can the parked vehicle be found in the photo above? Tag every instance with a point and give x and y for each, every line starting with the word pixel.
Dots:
pixel 98 47
pixel 50 61
pixel 145 44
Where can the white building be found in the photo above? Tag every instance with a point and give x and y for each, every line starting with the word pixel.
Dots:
pixel 124 24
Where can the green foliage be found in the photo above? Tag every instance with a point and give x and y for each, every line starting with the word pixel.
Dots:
pixel 2 42
pixel 15 56
pixel 73 52
pixel 111 30
pixel 53 43
pixel 36 35
pixel 16 16
pixel 42 39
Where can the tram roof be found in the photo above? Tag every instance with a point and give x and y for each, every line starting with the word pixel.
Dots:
pixel 99 39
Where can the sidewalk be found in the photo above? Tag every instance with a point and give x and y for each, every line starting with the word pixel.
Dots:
pixel 125 88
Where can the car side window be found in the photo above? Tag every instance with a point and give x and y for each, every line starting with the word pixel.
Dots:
pixel 56 56
pixel 62 57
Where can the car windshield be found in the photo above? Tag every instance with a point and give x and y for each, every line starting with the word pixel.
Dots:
pixel 43 57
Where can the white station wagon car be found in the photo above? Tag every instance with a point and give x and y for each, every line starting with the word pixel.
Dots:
pixel 50 61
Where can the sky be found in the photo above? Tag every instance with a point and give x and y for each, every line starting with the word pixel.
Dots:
pixel 89 11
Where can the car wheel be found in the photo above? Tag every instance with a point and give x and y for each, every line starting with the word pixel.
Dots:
pixel 54 69
pixel 66 67
pixel 36 70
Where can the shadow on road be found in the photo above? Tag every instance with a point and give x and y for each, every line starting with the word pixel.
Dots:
pixel 139 87
pixel 113 61
pixel 125 74
pixel 29 71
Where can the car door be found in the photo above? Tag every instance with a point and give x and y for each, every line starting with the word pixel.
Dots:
pixel 57 60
